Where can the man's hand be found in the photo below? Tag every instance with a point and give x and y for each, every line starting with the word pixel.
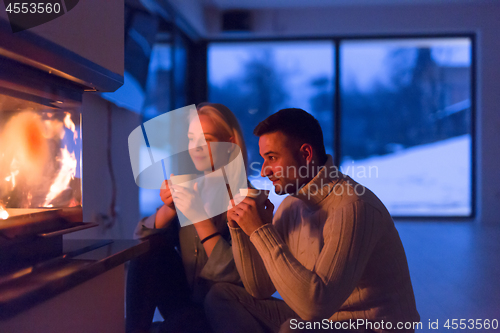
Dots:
pixel 249 216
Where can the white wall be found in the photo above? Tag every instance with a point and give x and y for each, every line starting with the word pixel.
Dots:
pixel 96 181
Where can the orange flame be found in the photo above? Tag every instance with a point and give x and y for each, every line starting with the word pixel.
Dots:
pixel 3 213
pixel 14 171
pixel 68 166
pixel 70 125
pixel 28 150
pixel 66 174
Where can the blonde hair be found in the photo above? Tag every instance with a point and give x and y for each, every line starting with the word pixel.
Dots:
pixel 228 125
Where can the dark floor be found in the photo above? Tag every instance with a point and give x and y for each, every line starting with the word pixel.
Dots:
pixel 455 270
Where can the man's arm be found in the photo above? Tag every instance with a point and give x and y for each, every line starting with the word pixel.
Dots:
pixel 350 236
pixel 246 257
pixel 250 265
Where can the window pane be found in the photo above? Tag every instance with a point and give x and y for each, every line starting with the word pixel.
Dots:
pixel 180 72
pixel 158 89
pixel 406 122
pixel 256 79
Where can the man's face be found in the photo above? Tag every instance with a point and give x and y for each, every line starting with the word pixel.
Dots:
pixel 281 162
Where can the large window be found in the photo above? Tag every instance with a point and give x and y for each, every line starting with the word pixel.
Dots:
pixel 406 111
pixel 405 107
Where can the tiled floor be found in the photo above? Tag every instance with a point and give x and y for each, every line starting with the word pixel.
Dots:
pixel 455 270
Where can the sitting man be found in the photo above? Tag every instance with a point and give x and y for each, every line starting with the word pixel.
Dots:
pixel 332 250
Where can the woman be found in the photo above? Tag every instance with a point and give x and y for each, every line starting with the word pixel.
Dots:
pixel 177 284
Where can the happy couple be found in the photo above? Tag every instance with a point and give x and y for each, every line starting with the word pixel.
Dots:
pixel 335 257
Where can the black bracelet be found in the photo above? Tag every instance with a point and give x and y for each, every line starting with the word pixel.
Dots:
pixel 208 237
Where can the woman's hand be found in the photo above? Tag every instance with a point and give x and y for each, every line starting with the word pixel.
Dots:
pixel 189 202
pixel 167 212
pixel 166 195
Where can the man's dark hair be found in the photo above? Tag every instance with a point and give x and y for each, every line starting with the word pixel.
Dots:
pixel 296 124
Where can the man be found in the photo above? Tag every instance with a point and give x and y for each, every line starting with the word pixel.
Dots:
pixel 332 250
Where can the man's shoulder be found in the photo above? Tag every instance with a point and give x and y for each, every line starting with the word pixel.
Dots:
pixel 290 202
pixel 287 210
pixel 347 191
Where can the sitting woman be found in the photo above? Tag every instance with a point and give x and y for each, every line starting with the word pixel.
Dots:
pixel 177 283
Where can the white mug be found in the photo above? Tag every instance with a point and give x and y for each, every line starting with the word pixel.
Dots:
pixel 183 180
pixel 258 195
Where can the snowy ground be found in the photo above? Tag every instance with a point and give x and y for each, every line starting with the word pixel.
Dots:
pixel 432 179
pixel 428 180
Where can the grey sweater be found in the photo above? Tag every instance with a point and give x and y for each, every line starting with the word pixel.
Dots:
pixel 332 252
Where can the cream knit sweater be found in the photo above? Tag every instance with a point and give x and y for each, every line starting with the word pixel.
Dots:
pixel 333 252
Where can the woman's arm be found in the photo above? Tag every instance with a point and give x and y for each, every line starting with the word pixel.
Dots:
pixel 220 265
pixel 164 216
pixel 189 202
pixel 148 225
pixel 205 229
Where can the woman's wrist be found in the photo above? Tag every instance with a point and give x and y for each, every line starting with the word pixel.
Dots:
pixel 215 234
pixel 163 216
pixel 205 228
pixel 208 235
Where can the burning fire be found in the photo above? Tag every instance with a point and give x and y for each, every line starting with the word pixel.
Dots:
pixel 30 162
pixel 65 175
pixel 71 126
pixel 3 213
pixel 13 174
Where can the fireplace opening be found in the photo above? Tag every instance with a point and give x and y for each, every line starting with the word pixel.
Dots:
pixel 40 164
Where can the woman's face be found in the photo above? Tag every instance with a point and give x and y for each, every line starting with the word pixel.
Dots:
pixel 211 156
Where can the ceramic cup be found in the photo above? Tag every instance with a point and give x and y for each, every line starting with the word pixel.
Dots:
pixel 258 195
pixel 183 180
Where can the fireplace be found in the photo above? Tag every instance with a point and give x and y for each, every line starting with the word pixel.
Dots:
pixel 40 166
pixel 48 283
pixel 41 163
